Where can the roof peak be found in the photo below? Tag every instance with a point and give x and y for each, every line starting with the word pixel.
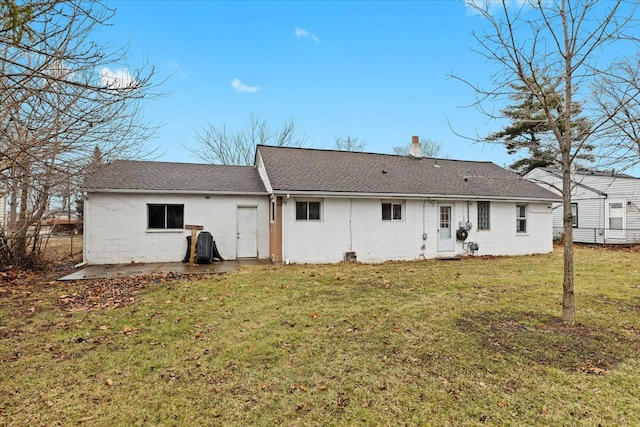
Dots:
pixel 332 150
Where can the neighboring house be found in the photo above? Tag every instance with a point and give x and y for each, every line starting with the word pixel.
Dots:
pixel 318 206
pixel 605 205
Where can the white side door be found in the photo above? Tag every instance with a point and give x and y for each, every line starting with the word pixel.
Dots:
pixel 616 218
pixel 247 232
pixel 446 235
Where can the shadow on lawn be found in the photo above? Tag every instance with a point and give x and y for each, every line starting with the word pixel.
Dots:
pixel 548 341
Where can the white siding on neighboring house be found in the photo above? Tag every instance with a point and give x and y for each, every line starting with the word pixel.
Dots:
pixel 356 224
pixel 593 194
pixel 119 232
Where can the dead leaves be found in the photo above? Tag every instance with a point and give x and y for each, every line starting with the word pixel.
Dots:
pixel 128 330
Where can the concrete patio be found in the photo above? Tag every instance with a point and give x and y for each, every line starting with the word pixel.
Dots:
pixel 177 268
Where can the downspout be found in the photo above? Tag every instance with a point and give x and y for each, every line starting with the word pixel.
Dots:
pixel 350 225
pixel 285 259
pixel 85 235
pixel 424 225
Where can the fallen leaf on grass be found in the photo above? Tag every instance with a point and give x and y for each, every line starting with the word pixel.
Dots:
pixel 590 369
pixel 314 315
pixel 128 330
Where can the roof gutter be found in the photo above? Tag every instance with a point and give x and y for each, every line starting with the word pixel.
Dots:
pixel 410 196
pixel 186 192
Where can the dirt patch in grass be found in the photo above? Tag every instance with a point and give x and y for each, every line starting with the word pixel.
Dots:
pixel 550 342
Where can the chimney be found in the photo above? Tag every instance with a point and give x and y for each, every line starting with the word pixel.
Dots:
pixel 415 149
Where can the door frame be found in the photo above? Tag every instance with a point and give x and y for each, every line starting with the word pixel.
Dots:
pixel 617 234
pixel 449 244
pixel 254 250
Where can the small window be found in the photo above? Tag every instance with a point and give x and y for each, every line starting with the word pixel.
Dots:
pixel 484 217
pixel 574 215
pixel 521 218
pixel 162 217
pixel 308 211
pixel 273 210
pixel 392 211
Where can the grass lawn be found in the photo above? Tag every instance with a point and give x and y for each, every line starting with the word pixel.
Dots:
pixel 439 343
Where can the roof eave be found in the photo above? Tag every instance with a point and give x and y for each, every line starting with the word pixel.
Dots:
pixel 409 196
pixel 145 191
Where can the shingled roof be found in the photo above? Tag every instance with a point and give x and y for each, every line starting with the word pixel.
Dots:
pixel 312 170
pixel 175 177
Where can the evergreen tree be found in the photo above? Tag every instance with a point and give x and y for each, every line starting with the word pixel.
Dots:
pixel 530 129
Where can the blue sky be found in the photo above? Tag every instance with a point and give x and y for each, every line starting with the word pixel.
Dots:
pixel 378 71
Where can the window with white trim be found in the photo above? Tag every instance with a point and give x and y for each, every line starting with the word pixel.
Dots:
pixel 484 217
pixel 521 218
pixel 307 210
pixel 391 211
pixel 574 215
pixel 165 217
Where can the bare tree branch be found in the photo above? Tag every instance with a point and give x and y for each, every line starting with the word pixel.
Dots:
pixel 61 95
pixel 216 145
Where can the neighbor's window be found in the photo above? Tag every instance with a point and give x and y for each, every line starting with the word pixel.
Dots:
pixel 574 215
pixel 521 218
pixel 392 211
pixel 308 211
pixel 162 217
pixel 483 216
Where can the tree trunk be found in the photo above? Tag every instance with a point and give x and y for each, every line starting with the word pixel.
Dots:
pixel 568 300
pixel 565 141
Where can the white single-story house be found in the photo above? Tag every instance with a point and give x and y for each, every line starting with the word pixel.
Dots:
pixel 301 205
pixel 605 205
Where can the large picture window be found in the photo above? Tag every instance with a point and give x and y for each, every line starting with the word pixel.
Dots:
pixel 164 217
pixel 391 211
pixel 521 218
pixel 307 211
pixel 484 217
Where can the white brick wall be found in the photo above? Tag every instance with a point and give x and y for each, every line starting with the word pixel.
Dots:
pixel 356 225
pixel 116 226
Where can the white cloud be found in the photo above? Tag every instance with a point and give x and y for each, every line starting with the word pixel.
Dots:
pixel 238 86
pixel 177 68
pixel 117 79
pixel 302 33
pixel 492 6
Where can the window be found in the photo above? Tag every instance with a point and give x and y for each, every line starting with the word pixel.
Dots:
pixel 392 211
pixel 483 216
pixel 521 218
pixel 574 215
pixel 162 217
pixel 308 211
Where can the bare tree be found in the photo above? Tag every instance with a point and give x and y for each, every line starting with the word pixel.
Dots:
pixel 430 148
pixel 348 143
pixel 61 95
pixel 565 40
pixel 217 145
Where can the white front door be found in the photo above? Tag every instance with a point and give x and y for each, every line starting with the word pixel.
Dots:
pixel 247 232
pixel 616 215
pixel 446 238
